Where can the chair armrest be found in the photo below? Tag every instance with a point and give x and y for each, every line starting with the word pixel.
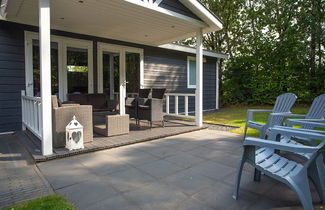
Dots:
pixel 65 105
pixel 279 145
pixel 287 114
pixel 129 100
pixel 295 132
pixel 250 113
pixel 302 122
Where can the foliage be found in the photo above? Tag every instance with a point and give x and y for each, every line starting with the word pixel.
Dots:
pixel 236 116
pixel 53 202
pixel 275 46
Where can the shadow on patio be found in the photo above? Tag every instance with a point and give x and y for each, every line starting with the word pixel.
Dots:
pixel 190 171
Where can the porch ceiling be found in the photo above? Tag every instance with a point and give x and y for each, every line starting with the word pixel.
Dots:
pixel 125 20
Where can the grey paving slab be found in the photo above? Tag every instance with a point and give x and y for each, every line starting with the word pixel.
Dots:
pixel 156 196
pixel 65 172
pixel 139 158
pixel 103 163
pixel 219 196
pixel 213 170
pixel 87 193
pixel 160 168
pixel 129 179
pixel 192 204
pixel 116 202
pixel 188 182
pixel 247 182
pixel 162 152
pixel 184 160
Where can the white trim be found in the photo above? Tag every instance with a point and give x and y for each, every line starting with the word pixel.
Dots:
pixel 203 12
pixel 192 50
pixel 101 47
pixel 217 84
pixel 190 58
pixel 3 8
pixel 45 76
pixel 168 12
pixel 63 44
pixel 7 133
pixel 199 79
pixel 157 2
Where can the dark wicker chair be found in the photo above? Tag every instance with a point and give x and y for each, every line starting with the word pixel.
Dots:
pixel 152 109
pixel 131 104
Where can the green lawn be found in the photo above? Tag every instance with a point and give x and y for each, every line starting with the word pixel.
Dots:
pixel 53 202
pixel 236 116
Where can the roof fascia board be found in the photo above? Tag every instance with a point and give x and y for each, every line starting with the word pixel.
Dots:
pixel 193 50
pixel 168 12
pixel 203 12
pixel 3 8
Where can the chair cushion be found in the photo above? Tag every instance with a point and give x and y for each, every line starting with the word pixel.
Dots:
pixel 158 93
pixel 97 100
pixel 144 93
pixel 78 98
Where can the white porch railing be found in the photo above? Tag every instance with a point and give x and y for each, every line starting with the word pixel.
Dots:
pixel 176 105
pixel 32 114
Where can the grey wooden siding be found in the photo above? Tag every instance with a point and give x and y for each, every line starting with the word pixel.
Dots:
pixel 168 69
pixel 177 6
pixel 12 76
pixel 163 68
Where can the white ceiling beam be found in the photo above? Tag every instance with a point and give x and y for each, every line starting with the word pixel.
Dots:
pixel 168 12
pixel 3 8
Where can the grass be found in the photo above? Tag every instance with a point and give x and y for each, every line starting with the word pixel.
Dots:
pixel 236 116
pixel 53 202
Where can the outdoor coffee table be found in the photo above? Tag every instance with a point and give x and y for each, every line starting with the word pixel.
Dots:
pixel 110 124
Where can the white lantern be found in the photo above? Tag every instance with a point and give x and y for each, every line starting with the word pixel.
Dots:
pixel 74 135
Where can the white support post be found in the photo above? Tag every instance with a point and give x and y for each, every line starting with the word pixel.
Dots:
pixel 199 79
pixel 176 105
pixel 45 64
pixel 186 105
pixel 167 104
pixel 111 76
pixel 122 83
pixel 217 84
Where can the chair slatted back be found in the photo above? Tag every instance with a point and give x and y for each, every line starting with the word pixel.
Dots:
pixel 316 110
pixel 283 103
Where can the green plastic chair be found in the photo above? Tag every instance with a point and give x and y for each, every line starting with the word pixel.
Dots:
pixel 281 109
pixel 293 174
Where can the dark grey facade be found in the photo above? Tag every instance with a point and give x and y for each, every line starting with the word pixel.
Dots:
pixel 162 68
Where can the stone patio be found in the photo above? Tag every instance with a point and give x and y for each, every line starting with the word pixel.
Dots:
pixel 190 171
pixel 20 179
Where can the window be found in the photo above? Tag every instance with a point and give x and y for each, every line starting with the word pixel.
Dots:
pixel 191 72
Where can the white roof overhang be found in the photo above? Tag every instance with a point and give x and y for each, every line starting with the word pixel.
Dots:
pixel 192 50
pixel 134 21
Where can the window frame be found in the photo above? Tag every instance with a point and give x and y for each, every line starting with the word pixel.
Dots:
pixel 190 58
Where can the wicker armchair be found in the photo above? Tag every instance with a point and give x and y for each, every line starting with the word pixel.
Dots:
pixel 62 114
pixel 131 104
pixel 152 109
